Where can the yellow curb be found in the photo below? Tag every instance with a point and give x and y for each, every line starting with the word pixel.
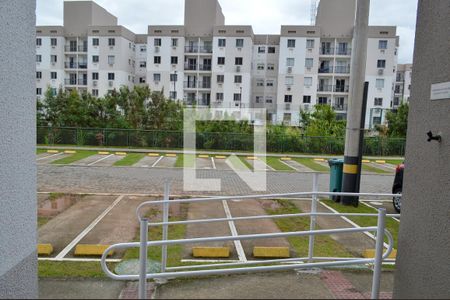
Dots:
pixel 319 159
pixel 171 155
pixel 286 158
pixel 203 156
pixel 370 253
pixel 380 162
pixel 271 252
pixel 221 157
pixel 52 151
pixel 366 161
pixel 103 153
pixel 252 158
pixel 211 252
pixel 91 250
pixel 153 154
pixel 70 152
pixel 44 249
pixel 121 153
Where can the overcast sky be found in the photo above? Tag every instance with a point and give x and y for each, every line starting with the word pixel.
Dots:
pixel 266 16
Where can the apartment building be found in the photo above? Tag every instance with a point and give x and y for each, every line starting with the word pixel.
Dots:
pixel 402 91
pixel 207 63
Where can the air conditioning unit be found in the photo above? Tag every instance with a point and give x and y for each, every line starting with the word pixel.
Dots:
pixel 111 47
pixel 306 107
pixel 220 83
pixel 383 51
pixel 111 83
pixel 239 49
pixel 288 106
pixel 380 71
pixel 95 83
pixel 289 88
pixel 238 69
pixel 174 48
pixel 157 49
pixel 289 70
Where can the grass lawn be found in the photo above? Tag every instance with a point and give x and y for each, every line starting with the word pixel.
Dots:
pixel 40 151
pixel 324 245
pixel 391 225
pixel 372 169
pixel 129 160
pixel 42 221
pixel 50 269
pixel 395 162
pixel 310 163
pixel 275 163
pixel 190 161
pixel 74 158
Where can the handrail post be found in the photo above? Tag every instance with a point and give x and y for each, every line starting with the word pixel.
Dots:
pixel 313 217
pixel 378 254
pixel 143 260
pixel 165 229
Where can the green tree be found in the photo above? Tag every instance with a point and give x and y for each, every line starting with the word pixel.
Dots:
pixel 397 121
pixel 322 122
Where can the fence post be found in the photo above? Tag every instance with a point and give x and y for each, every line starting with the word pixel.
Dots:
pixel 165 229
pixel 143 260
pixel 378 254
pixel 313 218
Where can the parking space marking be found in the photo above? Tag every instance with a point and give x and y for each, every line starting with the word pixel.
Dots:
pixel 85 232
pixel 101 159
pixel 234 233
pixel 50 156
pixel 213 163
pixel 79 260
pixel 157 162
pixel 292 167
pixel 370 206
pixel 265 162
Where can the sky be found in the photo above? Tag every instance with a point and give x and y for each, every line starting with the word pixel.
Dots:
pixel 136 15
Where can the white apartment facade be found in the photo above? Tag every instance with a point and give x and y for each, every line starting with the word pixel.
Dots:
pixel 402 91
pixel 207 63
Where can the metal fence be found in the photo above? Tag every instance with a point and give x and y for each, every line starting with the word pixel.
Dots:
pixel 287 143
pixel 309 262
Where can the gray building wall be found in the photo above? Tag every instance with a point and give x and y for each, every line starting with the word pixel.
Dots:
pixel 200 17
pixel 423 264
pixel 18 258
pixel 336 18
pixel 79 15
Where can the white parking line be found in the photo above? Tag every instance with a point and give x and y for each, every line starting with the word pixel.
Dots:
pixel 157 162
pixel 79 260
pixel 292 167
pixel 213 163
pixel 265 163
pixel 370 206
pixel 50 156
pixel 234 233
pixel 69 247
pixel 101 159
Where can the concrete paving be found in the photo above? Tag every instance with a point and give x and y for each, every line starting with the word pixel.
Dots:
pixel 51 158
pixel 79 289
pixel 167 162
pixel 298 166
pixel 89 160
pixel 203 163
pixel 108 160
pixel 221 164
pixel 146 162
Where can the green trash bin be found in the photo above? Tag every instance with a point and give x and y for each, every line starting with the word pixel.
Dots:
pixel 336 175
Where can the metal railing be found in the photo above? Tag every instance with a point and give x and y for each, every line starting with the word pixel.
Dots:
pixel 324 88
pixel 246 266
pixel 190 67
pixel 75 65
pixel 76 49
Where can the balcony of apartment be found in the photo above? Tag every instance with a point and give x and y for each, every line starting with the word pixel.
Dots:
pixel 206 68
pixel 75 82
pixel 190 84
pixel 75 65
pixel 190 67
pixel 326 51
pixel 340 107
pixel 325 88
pixel 341 89
pixel 204 85
pixel 342 70
pixel 326 69
pixel 76 49
pixel 198 49
pixel 343 52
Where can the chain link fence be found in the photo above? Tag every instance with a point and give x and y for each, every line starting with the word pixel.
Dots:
pixel 219 141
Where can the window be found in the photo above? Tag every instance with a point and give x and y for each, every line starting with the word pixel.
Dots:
pixel 174 42
pixel 54 75
pixel 259 99
pixel 38 58
pixel 309 62
pixel 53 42
pixel 156 77
pixel 157 60
pixel 262 49
pixel 95 42
pixel 219 96
pixel 95 58
pixel 271 50
pixel 173 95
pixel 238 79
pixel 143 64
pixel 38 91
pixel 270 67
pixel 173 77
pixel 38 75
pixel 269 83
pixel 53 58
pixel 378 102
pixel 95 76
pixel 306 99
pixel 174 60
pixel 95 92
pixel 39 42
pixel 289 80
pixel 260 82
pixel 380 83
pixel 290 62
pixel 239 43
pixel 381 64
pixel 308 81
pixel 288 99
pixel 383 44
pixel 323 100
pixel 220 78
pixel 141 79
pixel 238 61
pixel 111 59
pixel 291 43
pixel 237 97
pixel 260 67
pixel 310 44
pixel 111 42
pixel 222 42
pixel 157 43
pixel 221 60
pixel 111 76
pixel 269 100
pixel 143 48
